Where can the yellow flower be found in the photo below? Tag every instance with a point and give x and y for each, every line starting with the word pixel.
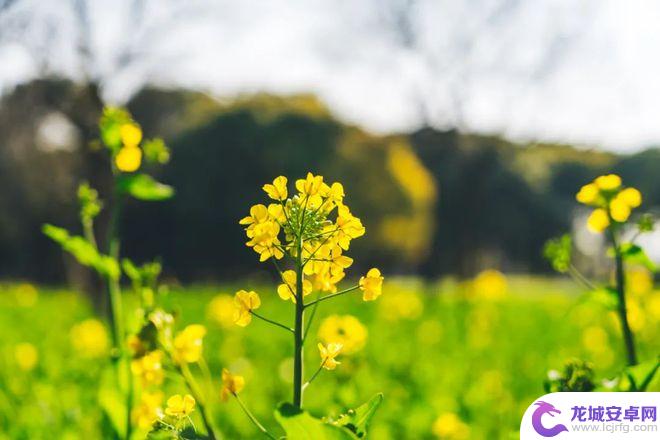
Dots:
pixel 348 227
pixel 149 368
pixel 287 290
pixel 26 356
pixel 263 229
pixel 371 285
pixel 490 284
pixel 346 330
pixel 89 338
pixel 131 134
pixel 180 406
pixel 631 197
pixel 588 194
pixel 188 343
pixel 26 295
pixel 608 182
pixel 639 281
pixel 309 186
pixel 277 190
pixel 244 303
pixel 128 159
pixel 221 310
pixel 148 410
pixel 598 221
pixel 450 427
pixel 328 354
pixel 619 209
pixel 232 384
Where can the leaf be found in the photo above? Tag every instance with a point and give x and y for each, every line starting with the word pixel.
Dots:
pixel 635 255
pixel 144 187
pixel 606 297
pixel 558 252
pixel 642 375
pixel 357 420
pixel 111 401
pixel 83 251
pixel 299 425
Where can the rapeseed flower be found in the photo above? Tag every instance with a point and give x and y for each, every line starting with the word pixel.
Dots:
pixel 128 159
pixel 180 406
pixel 329 353
pixel 148 410
pixel 149 368
pixel 232 384
pixel 188 344
pixel 371 285
pixel 346 330
pixel 244 303
pixel 613 204
pixel 287 290
pixel 90 338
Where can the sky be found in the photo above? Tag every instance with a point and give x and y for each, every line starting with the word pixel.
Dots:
pixel 578 71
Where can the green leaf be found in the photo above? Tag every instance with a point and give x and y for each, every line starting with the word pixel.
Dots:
pixel 358 420
pixel 156 151
pixel 558 252
pixel 144 187
pixel 110 126
pixel 606 297
pixel 83 251
pixel 634 254
pixel 111 401
pixel 642 375
pixel 299 425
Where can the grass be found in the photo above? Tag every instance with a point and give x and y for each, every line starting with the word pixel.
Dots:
pixel 429 351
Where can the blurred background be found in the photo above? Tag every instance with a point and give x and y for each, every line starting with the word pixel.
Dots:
pixel 460 130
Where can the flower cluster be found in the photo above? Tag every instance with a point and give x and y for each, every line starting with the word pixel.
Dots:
pixel 612 203
pixel 315 222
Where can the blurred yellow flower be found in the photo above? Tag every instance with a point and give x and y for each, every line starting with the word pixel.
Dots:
pixel 631 196
pixel 608 182
pixel 89 338
pixel 653 306
pixel 636 315
pixel 131 134
pixel 346 330
pixel 287 290
pixel 449 426
pixel 329 353
pixel 188 343
pixel 277 190
pixel 595 339
pixel 148 410
pixel 490 284
pixel 639 281
pixel 232 384
pixel 26 295
pixel 26 356
pixel 619 209
pixel 180 406
pixel 128 159
pixel 371 285
pixel 588 194
pixel 598 221
pixel 401 304
pixel 149 368
pixel 221 310
pixel 244 303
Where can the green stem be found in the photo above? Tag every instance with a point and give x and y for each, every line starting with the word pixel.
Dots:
pixel 199 398
pixel 254 419
pixel 332 295
pixel 628 337
pixel 116 307
pixel 270 321
pixel 298 332
pixel 316 373
pixel 311 318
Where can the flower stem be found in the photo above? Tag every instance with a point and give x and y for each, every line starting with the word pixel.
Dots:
pixel 311 319
pixel 333 295
pixel 117 311
pixel 316 373
pixel 628 337
pixel 298 332
pixel 199 398
pixel 270 321
pixel 253 418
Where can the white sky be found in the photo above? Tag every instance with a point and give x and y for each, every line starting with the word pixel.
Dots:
pixel 580 71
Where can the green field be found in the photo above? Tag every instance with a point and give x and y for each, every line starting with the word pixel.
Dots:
pixel 479 361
